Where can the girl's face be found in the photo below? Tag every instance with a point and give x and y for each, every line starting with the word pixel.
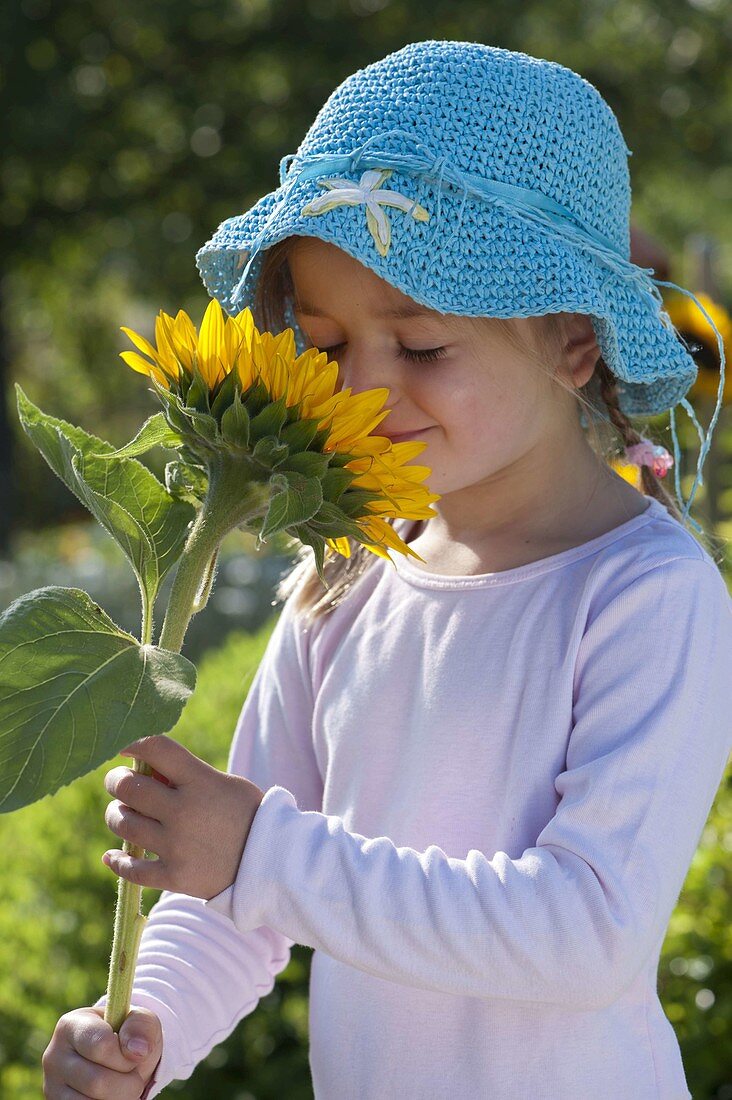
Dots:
pixel 485 410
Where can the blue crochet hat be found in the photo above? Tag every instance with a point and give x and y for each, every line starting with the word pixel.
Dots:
pixel 483 182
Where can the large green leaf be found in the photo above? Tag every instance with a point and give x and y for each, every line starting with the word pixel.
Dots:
pixel 74 690
pixel 154 432
pixel 149 524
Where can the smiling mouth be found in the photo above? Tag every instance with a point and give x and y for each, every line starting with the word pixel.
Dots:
pixel 399 437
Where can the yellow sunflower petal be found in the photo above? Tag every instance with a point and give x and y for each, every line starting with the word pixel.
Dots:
pixel 341 546
pixel 185 330
pixel 260 363
pixel 285 345
pixel 245 321
pixel 628 471
pixel 408 449
pixel 132 359
pixel 356 417
pixel 372 445
pixel 378 550
pixel 211 343
pixel 143 367
pixel 165 340
pixel 385 534
pixel 140 342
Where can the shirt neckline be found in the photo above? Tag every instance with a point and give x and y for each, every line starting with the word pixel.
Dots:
pixel 424 579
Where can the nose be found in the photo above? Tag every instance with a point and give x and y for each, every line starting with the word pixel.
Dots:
pixel 363 368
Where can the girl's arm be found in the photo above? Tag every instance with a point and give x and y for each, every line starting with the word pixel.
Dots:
pixel 575 919
pixel 195 969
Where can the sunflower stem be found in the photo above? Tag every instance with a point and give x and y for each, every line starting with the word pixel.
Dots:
pixel 230 500
pixel 207 584
pixel 129 922
pixel 147 617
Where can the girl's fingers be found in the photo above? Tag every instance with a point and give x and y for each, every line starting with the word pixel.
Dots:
pixel 144 793
pixel 88 1079
pixel 142 872
pixel 168 756
pixel 161 778
pixel 90 1037
pixel 127 824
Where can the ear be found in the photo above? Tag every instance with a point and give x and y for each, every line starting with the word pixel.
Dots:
pixel 581 350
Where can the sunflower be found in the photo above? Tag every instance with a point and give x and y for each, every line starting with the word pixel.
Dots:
pixel 233 393
pixel 694 328
pixel 628 471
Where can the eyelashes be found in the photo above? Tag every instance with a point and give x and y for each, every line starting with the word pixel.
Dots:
pixel 425 355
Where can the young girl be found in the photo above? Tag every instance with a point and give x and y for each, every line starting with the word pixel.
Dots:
pixel 482 772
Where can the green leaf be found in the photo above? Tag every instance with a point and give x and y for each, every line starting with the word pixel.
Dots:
pixel 256 398
pixel 197 395
pixel 296 503
pixel 74 690
pixel 332 523
pixel 235 424
pixel 294 413
pixel 335 482
pixel 155 431
pixel 269 452
pixel 149 525
pixel 177 421
pixel 299 435
pixel 337 458
pixel 354 501
pixel 203 424
pixel 225 395
pixel 187 421
pixel 269 420
pixel 309 463
pixel 192 458
pixel 186 482
pixel 317 542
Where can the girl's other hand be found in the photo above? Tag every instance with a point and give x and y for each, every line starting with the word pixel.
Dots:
pixel 195 818
pixel 85 1054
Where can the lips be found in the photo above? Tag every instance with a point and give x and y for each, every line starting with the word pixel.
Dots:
pixel 399 437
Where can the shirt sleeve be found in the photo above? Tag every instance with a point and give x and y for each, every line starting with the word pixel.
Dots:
pixel 196 970
pixel 575 918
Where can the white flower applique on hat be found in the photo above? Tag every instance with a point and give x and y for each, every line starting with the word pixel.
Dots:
pixel 368 190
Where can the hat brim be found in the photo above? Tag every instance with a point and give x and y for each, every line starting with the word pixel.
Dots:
pixel 492 262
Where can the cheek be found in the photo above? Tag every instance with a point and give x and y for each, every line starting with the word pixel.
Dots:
pixel 490 421
pixel 475 402
pixel 506 402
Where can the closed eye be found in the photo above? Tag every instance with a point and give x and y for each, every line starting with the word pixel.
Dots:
pixel 423 355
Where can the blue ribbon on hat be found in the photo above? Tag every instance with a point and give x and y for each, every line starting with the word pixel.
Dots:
pixel 533 206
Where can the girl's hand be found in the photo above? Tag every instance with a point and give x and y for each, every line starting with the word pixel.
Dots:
pixel 85 1058
pixel 194 818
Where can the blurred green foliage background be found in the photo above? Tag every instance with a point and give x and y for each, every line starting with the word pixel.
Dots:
pixel 130 132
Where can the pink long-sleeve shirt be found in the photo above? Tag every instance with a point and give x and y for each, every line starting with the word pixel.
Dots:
pixel 483 795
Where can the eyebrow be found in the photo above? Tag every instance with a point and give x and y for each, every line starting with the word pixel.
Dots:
pixel 395 313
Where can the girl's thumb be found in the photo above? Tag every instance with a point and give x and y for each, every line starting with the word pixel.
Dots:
pixel 140 1035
